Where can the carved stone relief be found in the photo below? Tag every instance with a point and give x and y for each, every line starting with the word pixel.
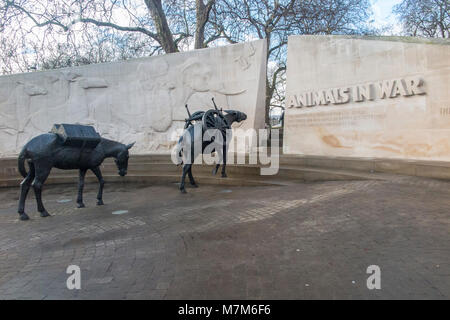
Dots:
pixel 140 99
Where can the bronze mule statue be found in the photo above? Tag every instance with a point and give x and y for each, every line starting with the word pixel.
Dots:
pixel 51 150
pixel 202 121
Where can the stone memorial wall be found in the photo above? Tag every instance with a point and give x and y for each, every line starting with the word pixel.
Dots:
pixel 368 97
pixel 140 100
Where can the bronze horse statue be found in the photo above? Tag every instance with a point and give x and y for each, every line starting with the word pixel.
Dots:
pixel 203 121
pixel 48 150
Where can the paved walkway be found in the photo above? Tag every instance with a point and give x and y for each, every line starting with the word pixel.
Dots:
pixel 312 240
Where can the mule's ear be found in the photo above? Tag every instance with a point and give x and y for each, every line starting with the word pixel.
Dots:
pixel 129 146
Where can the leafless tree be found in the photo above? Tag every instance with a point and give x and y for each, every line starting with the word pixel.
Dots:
pixel 141 26
pixel 126 15
pixel 203 10
pixel 429 18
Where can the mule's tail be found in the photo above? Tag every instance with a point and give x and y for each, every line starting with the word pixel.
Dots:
pixel 21 162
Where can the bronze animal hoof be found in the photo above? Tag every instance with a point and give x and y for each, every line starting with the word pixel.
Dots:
pixel 100 202
pixel 24 217
pixel 80 205
pixel 45 214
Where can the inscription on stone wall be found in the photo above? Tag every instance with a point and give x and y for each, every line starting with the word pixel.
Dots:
pixel 368 98
pixel 344 118
pixel 359 93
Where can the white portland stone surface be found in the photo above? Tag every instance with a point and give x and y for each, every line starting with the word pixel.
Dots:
pixel 138 100
pixel 380 97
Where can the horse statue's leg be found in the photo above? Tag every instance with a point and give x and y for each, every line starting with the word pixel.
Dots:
pixel 101 182
pixel 191 177
pixel 216 168
pixel 24 188
pixel 183 177
pixel 41 174
pixel 224 164
pixel 80 203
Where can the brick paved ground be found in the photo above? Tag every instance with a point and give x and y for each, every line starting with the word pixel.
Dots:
pixel 311 240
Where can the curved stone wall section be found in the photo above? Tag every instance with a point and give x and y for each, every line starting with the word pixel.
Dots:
pixel 138 100
pixel 368 97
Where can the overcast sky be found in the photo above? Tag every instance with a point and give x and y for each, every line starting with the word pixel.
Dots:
pixel 382 14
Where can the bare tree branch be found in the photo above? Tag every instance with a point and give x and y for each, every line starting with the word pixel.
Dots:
pixel 429 18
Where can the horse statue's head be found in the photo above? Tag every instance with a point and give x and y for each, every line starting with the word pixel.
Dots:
pixel 122 158
pixel 235 116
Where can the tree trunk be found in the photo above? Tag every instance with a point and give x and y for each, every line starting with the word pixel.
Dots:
pixel 269 90
pixel 165 37
pixel 269 94
pixel 202 15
